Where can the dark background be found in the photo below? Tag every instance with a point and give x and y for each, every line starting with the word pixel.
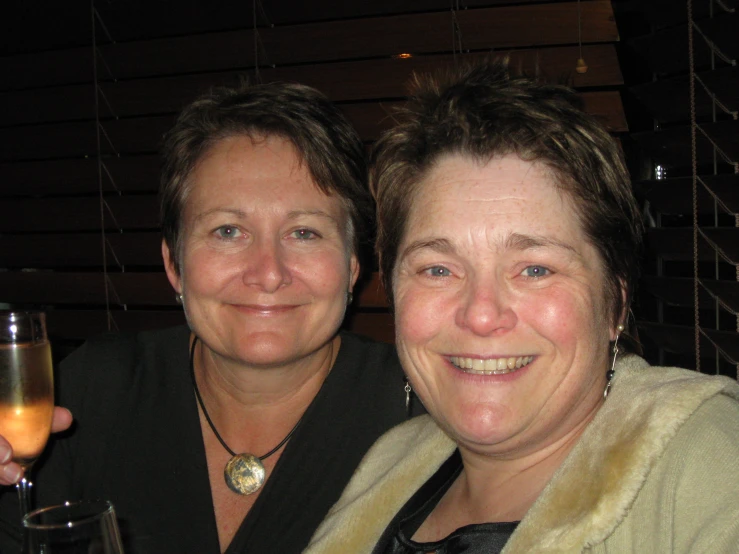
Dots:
pixel 88 88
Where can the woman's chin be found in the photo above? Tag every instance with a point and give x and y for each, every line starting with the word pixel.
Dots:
pixel 480 426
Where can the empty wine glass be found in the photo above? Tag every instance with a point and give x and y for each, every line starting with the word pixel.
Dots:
pixel 85 527
pixel 26 391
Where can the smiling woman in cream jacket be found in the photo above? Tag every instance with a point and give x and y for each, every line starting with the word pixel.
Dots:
pixel 509 240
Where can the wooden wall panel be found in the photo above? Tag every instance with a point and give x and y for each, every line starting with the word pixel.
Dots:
pixel 376 325
pixel 68 288
pixel 80 175
pixel 67 24
pixel 485 28
pixel 421 33
pixel 79 214
pixel 362 80
pixel 79 250
pixel 76 325
pixel 143 135
pixel 139 135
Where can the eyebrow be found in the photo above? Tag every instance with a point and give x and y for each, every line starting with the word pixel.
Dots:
pixel 514 241
pixel 442 246
pixel 233 211
pixel 291 215
pixel 319 213
pixel 518 241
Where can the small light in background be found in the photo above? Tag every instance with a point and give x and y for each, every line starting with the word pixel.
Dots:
pixel 403 56
pixel 660 172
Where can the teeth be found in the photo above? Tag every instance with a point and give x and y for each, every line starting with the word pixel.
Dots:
pixel 491 366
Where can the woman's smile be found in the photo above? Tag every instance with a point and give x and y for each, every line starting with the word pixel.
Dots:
pixel 490 366
pixel 266 310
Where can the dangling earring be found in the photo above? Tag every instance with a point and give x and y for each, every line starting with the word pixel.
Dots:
pixel 611 372
pixel 408 391
pixel 179 298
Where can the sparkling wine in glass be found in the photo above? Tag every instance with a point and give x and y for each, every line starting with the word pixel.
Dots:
pixel 85 527
pixel 26 391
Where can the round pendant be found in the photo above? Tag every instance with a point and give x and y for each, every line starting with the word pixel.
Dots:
pixel 244 474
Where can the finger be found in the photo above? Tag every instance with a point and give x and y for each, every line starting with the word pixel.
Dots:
pixel 10 472
pixel 62 419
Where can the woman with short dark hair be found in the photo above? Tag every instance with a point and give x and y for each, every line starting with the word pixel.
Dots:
pixel 237 432
pixel 509 239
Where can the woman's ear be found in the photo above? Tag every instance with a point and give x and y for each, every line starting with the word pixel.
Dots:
pixel 171 269
pixel 354 267
pixel 623 316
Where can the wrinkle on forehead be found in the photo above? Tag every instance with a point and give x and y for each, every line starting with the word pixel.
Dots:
pixel 444 177
pixel 500 193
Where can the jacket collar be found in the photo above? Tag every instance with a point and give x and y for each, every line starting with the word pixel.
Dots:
pixel 590 494
pixel 587 497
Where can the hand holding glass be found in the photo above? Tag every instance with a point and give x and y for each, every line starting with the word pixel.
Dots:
pixel 26 390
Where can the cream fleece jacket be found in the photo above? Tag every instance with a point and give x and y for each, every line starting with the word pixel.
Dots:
pixel 657 470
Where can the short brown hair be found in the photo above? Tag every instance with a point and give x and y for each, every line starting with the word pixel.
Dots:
pixel 324 139
pixel 482 112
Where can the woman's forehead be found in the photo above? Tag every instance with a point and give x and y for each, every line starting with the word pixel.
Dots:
pixel 508 185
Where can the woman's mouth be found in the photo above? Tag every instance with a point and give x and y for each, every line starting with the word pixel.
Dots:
pixel 265 309
pixel 490 366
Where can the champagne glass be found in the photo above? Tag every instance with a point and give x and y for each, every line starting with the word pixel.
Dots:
pixel 26 391
pixel 85 527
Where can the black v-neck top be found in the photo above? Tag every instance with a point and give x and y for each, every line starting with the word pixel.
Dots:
pixel 484 538
pixel 137 441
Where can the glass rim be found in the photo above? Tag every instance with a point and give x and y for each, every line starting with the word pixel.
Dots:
pixel 106 508
pixel 6 313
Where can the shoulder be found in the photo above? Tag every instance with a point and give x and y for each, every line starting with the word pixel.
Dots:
pixel 401 461
pixel 113 361
pixel 695 480
pixel 668 390
pixel 709 438
pixel 398 464
pixel 664 408
pixel 121 347
pixel 692 421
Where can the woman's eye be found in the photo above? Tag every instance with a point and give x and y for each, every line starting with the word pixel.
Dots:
pixel 535 271
pixel 437 271
pixel 227 232
pixel 304 234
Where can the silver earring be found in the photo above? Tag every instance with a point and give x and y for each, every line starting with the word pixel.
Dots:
pixel 349 298
pixel 611 372
pixel 179 299
pixel 407 388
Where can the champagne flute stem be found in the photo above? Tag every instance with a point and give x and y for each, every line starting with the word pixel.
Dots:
pixel 24 495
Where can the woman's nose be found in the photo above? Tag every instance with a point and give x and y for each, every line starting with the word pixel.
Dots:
pixel 485 309
pixel 266 266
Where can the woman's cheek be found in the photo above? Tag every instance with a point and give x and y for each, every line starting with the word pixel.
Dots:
pixel 557 313
pixel 419 314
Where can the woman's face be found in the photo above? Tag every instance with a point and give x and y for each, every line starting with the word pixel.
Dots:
pixel 266 262
pixel 501 319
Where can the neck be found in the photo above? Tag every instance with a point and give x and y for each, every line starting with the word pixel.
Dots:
pixel 503 488
pixel 254 408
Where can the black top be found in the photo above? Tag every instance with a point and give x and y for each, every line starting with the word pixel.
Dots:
pixel 484 538
pixel 137 441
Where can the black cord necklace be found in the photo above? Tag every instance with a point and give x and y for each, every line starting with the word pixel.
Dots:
pixel 244 473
